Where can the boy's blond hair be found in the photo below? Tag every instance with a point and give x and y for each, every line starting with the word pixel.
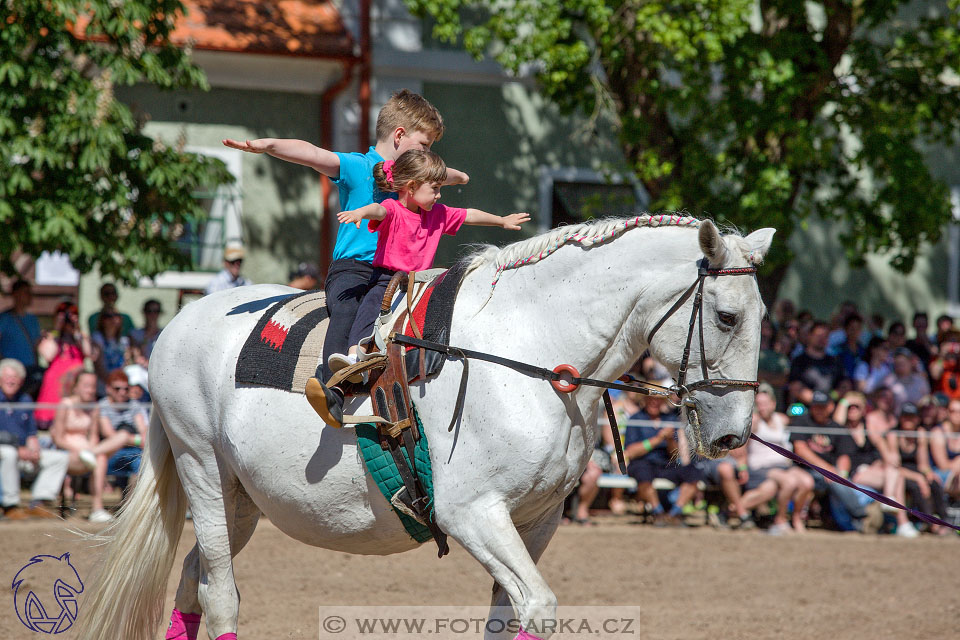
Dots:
pixel 411 111
pixel 416 166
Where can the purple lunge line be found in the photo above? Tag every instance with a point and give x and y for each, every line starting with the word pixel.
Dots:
pixel 920 515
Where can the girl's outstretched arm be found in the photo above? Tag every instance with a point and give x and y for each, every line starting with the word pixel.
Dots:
pixel 484 219
pixel 372 211
pixel 296 151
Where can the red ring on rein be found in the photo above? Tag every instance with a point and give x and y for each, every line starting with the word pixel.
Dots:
pixel 562 386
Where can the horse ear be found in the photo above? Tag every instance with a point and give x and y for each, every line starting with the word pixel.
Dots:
pixel 711 243
pixel 758 243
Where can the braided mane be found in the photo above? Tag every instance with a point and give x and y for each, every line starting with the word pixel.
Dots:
pixel 586 234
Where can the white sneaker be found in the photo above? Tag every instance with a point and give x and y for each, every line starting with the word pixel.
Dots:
pixel 99 516
pixel 907 530
pixel 779 529
pixel 88 459
pixel 338 361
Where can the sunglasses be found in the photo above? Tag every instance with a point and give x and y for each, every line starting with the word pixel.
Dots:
pixel 118 388
pixel 237 261
pixel 151 310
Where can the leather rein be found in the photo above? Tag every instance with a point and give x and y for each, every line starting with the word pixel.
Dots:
pixel 565 378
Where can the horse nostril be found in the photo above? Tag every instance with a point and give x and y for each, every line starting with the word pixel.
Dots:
pixel 727 442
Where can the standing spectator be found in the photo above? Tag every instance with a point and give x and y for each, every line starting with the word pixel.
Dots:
pixel 944 324
pixel 20 451
pixel 113 346
pixel 305 277
pixel 784 311
pixel 108 297
pixel 65 353
pixel 770 474
pixel 653 453
pixel 814 439
pixel 19 330
pixel 229 277
pixel 871 372
pixel 814 370
pixel 907 384
pixel 146 337
pixel 897 335
pixel 774 365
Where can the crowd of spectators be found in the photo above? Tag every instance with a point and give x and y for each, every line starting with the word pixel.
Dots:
pixel 90 382
pixel 859 397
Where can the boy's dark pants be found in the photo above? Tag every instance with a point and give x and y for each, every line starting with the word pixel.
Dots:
pixel 347 282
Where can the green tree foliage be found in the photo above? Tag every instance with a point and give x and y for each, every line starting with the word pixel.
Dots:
pixel 756 113
pixel 76 172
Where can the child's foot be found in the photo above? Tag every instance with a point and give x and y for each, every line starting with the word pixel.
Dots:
pixel 326 401
pixel 338 361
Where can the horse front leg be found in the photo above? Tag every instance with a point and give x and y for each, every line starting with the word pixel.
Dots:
pixel 535 536
pixel 487 532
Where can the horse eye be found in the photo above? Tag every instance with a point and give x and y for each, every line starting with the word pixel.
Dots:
pixel 728 319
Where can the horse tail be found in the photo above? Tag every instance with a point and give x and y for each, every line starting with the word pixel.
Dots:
pixel 126 596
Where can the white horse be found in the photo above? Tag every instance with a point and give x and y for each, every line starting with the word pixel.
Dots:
pixel 500 479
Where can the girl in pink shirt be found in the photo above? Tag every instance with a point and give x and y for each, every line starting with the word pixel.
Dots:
pixel 409 230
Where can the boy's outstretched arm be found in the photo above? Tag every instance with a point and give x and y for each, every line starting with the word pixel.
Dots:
pixel 484 219
pixel 455 177
pixel 297 151
pixel 371 211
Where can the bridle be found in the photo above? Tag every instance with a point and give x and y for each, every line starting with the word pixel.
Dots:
pixel 682 389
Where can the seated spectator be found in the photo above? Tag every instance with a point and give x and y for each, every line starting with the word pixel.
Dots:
pixel 145 338
pixel 123 427
pixel 907 382
pixel 848 351
pixel 774 364
pixel 814 439
pixel 652 451
pixel 306 277
pixel 20 451
pixel 729 473
pixel 945 449
pixel 75 431
pixel 770 474
pixel 784 311
pixel 108 297
pixel 945 368
pixel 65 350
pixel 923 486
pixel 881 418
pixel 113 346
pixel 815 370
pixel 874 368
pixel 20 335
pixel 625 404
pixel 864 457
pixel 920 345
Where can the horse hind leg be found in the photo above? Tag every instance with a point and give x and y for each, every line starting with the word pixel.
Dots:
pixel 224 519
pixel 185 619
pixel 487 532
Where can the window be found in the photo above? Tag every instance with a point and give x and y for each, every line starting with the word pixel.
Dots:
pixel 953 275
pixel 571 196
pixel 205 241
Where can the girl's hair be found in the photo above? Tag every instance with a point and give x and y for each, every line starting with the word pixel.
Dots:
pixel 416 166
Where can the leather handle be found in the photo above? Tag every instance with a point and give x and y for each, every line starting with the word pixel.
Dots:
pixel 395 281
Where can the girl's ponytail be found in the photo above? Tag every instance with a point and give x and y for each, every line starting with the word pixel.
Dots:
pixel 383 175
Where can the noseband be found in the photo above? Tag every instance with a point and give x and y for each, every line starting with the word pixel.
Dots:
pixel 682 389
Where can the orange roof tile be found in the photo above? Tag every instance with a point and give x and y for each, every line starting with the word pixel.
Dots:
pixel 310 28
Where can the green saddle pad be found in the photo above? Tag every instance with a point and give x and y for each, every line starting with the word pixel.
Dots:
pixel 383 470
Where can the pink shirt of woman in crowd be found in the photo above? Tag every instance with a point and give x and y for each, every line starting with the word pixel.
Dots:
pixel 408 241
pixel 51 388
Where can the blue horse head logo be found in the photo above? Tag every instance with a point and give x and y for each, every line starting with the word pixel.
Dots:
pixel 45 593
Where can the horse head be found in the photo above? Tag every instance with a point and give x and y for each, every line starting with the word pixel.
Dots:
pixel 723 335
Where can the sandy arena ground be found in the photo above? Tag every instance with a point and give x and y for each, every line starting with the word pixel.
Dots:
pixel 692 583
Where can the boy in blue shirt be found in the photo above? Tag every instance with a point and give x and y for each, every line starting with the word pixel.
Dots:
pixel 406 121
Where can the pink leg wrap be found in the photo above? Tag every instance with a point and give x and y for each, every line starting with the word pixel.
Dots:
pixel 227 636
pixel 523 635
pixel 183 626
